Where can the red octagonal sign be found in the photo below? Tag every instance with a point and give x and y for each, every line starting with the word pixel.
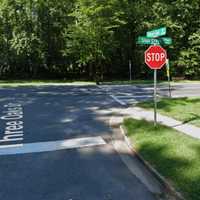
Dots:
pixel 155 57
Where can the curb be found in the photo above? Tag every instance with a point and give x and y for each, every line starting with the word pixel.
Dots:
pixel 173 194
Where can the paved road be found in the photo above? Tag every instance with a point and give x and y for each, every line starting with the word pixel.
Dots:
pixel 131 94
pixel 55 145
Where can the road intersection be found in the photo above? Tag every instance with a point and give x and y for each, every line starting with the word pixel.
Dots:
pixel 132 94
pixel 65 150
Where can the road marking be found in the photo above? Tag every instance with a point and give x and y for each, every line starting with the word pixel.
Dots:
pixel 53 145
pixel 134 96
pixel 12 116
pixel 117 100
pixel 10 146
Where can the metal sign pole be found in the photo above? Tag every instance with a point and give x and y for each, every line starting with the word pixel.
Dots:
pixel 155 97
pixel 130 70
pixel 168 76
pixel 170 94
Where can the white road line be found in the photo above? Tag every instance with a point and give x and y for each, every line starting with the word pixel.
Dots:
pixel 134 96
pixel 118 101
pixel 53 145
pixel 10 146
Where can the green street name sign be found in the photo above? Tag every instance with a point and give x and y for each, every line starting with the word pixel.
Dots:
pixel 156 41
pixel 146 40
pixel 165 40
pixel 157 32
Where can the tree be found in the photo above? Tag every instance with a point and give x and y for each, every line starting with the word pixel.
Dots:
pixel 90 38
pixel 93 38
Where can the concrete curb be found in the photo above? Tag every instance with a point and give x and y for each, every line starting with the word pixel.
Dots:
pixel 141 113
pixel 173 194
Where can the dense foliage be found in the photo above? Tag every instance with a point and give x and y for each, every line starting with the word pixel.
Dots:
pixel 94 39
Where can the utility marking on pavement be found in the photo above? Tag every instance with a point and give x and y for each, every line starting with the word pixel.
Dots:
pixel 117 100
pixel 53 145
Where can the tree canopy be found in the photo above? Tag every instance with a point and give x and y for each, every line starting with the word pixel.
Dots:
pixel 94 39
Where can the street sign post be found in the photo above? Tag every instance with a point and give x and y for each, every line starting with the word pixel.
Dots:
pixel 154 41
pixel 130 70
pixel 157 32
pixel 155 97
pixel 155 58
pixel 168 76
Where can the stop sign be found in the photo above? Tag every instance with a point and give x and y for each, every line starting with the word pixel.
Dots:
pixel 155 57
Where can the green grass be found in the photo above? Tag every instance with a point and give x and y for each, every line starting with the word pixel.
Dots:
pixel 186 110
pixel 174 155
pixel 15 83
pixel 122 82
pixel 133 82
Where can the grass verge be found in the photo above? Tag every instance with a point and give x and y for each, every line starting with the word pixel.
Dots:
pixel 124 82
pixel 63 81
pixel 173 154
pixel 136 82
pixel 15 83
pixel 186 110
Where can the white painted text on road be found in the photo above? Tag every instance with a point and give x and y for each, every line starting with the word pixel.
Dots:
pixel 12 115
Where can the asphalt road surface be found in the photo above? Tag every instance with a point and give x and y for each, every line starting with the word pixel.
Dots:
pixel 55 145
pixel 131 94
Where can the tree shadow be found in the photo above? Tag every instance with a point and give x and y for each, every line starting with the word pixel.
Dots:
pixel 55 112
pixel 174 168
pixel 61 112
pixel 168 104
pixel 96 173
pixel 191 119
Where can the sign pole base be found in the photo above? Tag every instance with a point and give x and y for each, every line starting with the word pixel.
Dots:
pixel 170 93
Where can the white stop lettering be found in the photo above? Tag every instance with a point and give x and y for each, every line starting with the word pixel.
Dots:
pixel 155 57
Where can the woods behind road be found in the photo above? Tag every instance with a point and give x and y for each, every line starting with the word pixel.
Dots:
pixel 94 40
